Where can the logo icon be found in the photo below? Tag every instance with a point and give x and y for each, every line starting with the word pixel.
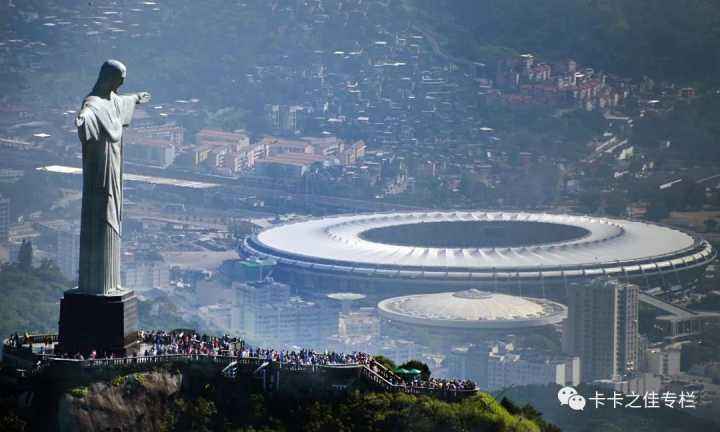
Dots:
pixel 565 393
pixel 577 402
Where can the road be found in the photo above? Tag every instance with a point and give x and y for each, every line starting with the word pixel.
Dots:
pixel 703 180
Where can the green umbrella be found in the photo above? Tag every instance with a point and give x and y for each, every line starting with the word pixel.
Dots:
pixel 401 371
pixel 414 372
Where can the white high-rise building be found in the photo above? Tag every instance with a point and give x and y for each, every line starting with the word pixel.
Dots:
pixel 265 313
pixel 664 361
pixel 527 368
pixel 498 365
pixel 67 253
pixel 144 272
pixel 602 328
pixel 4 219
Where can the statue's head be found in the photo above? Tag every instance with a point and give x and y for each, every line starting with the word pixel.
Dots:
pixel 112 76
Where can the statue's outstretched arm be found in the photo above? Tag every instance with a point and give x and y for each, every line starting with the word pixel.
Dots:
pixel 143 97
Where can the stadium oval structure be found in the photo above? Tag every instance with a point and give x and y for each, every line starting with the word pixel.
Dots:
pixel 472 309
pixel 517 252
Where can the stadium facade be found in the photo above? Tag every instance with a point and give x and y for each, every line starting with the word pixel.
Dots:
pixel 534 254
pixel 449 319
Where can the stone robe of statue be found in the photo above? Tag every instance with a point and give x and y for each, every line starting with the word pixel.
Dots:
pixel 100 125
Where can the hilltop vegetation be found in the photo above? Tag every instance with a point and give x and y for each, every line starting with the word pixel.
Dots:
pixel 663 39
pixel 193 400
pixel 401 412
pixel 31 301
pixel 156 400
pixel 691 129
pixel 30 298
pixel 606 418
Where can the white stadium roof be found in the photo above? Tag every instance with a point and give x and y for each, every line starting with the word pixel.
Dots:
pixel 605 246
pixel 472 309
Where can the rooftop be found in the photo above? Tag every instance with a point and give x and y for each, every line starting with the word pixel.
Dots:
pixel 472 309
pixel 473 243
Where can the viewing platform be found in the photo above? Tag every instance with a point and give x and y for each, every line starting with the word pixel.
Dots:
pixel 34 355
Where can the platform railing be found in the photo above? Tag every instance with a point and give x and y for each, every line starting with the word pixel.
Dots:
pixel 369 372
pixel 373 371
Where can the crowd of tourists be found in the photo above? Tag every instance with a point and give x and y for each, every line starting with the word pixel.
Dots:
pixel 418 382
pixel 188 342
pixel 448 384
pixel 306 357
pixel 15 341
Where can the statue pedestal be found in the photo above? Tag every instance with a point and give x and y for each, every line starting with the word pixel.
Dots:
pixel 104 323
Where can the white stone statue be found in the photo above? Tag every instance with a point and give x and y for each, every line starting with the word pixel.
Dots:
pixel 100 124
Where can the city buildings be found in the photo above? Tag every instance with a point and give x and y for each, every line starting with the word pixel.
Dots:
pixel 602 328
pixel 235 141
pixel 143 271
pixel 170 133
pixel 498 365
pixel 285 119
pixel 149 151
pixel 67 253
pixel 247 270
pixel 154 145
pixel 265 312
pixel 363 322
pixel 397 350
pixel 217 152
pixel 282 157
pixel 664 361
pixel 60 239
pixel 4 219
pixel 287 165
pixel 633 383
pixel 677 322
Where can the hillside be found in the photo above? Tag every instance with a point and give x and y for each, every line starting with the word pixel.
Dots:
pixel 662 39
pixel 194 397
pixel 31 302
pixel 31 298
pixel 607 418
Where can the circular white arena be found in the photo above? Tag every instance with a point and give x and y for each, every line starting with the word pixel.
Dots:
pixel 447 319
pixel 517 252
pixel 472 309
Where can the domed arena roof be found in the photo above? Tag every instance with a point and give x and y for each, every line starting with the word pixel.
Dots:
pixel 472 309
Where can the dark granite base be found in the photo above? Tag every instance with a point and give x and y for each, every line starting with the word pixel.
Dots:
pixel 106 324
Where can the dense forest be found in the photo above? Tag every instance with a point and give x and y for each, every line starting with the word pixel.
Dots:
pixel 30 297
pixel 690 130
pixel 358 411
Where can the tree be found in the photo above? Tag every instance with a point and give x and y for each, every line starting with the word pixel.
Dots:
pixel 710 225
pixel 385 362
pixel 657 211
pixel 615 204
pixel 422 367
pixel 10 421
pixel 25 255
pixel 31 298
pixel 242 228
pixel 229 119
pixel 509 406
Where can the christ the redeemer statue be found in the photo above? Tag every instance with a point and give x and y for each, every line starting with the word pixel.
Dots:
pixel 100 125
